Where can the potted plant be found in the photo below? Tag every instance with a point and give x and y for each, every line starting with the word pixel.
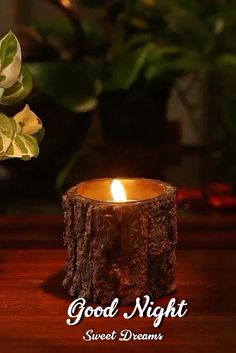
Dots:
pixel 149 44
pixel 157 42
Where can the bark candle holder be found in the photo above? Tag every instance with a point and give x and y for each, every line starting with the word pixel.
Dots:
pixel 120 249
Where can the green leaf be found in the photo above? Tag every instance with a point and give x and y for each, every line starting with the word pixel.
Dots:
pixel 31 144
pixel 125 69
pixel 8 49
pixel 69 84
pixel 20 145
pixel 40 135
pixel 14 145
pixel 60 28
pixel 20 90
pixel 227 62
pixel 86 105
pixel 7 132
pixel 23 146
pixel 2 78
pixel 171 61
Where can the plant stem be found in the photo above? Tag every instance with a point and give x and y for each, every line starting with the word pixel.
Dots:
pixel 72 13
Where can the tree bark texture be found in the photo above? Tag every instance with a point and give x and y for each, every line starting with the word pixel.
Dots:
pixel 121 250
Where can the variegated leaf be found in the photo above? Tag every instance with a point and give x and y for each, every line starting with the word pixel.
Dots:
pixel 10 60
pixel 23 146
pixel 20 90
pixel 7 132
pixel 27 122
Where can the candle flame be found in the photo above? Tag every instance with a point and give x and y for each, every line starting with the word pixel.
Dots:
pixel 118 191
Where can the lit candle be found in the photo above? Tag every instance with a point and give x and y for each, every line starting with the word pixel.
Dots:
pixel 121 238
pixel 118 191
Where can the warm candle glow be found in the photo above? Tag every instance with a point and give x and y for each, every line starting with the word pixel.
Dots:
pixel 66 3
pixel 118 191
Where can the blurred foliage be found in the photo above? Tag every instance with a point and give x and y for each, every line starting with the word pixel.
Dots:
pixel 140 42
pixel 59 28
pixel 175 37
pixel 70 84
pixel 145 40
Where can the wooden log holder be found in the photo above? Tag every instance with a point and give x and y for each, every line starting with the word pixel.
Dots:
pixel 120 249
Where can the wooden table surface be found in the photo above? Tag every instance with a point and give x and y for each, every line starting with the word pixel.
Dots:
pixel 33 304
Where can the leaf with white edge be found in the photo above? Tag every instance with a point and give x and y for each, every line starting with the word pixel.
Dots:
pixel 23 146
pixel 10 60
pixel 27 121
pixel 19 143
pixel 7 132
pixel 16 84
pixel 20 90
pixel 32 145
pixel 8 49
pixel 86 105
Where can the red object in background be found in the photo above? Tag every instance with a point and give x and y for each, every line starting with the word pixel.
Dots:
pixel 222 201
pixel 221 196
pixel 188 194
pixel 216 195
pixel 191 198
pixel 220 188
